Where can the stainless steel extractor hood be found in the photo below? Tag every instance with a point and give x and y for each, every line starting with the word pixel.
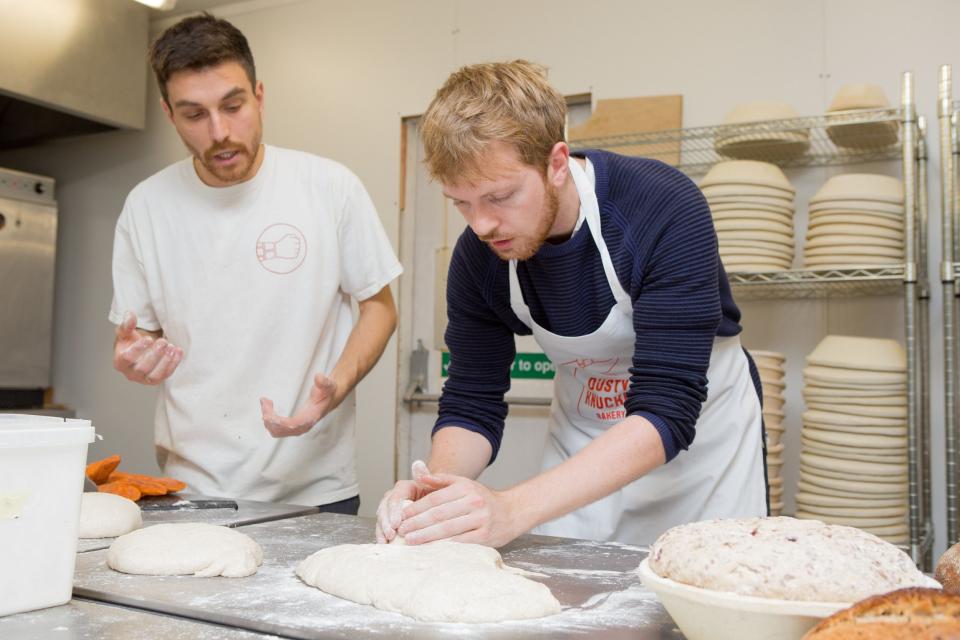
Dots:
pixel 71 67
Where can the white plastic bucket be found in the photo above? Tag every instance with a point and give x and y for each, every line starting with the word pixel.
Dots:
pixel 41 481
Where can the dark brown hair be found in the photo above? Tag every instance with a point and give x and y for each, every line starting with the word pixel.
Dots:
pixel 198 42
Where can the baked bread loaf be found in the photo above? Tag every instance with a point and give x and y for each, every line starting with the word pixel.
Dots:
pixel 948 570
pixel 783 558
pixel 905 614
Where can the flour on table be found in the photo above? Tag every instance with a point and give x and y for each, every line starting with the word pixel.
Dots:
pixel 203 550
pixel 437 582
pixel 105 515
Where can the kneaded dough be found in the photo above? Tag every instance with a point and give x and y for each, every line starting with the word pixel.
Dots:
pixel 105 515
pixel 203 550
pixel 436 582
pixel 784 558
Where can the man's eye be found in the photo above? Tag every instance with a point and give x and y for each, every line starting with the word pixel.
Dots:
pixel 499 199
pixel 195 116
pixel 233 108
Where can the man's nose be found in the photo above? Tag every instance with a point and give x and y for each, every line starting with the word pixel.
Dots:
pixel 484 223
pixel 219 130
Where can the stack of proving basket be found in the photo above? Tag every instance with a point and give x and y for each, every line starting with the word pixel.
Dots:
pixel 771 369
pixel 752 207
pixel 856 219
pixel 851 100
pixel 747 136
pixel 853 462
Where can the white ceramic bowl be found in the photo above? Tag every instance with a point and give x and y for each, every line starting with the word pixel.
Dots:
pixel 703 614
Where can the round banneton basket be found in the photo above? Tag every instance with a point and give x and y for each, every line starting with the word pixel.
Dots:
pixel 704 614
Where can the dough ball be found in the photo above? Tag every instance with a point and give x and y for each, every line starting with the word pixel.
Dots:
pixel 436 582
pixel 784 558
pixel 948 570
pixel 106 515
pixel 202 550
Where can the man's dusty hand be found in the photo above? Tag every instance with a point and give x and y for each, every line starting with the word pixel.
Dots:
pixel 143 358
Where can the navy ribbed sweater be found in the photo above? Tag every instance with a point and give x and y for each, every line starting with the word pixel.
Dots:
pixel 658 229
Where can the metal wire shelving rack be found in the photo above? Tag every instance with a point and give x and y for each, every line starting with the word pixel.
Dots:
pixel 894 134
pixel 948 112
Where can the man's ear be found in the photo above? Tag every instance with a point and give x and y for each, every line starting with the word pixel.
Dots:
pixel 258 94
pixel 557 167
pixel 166 108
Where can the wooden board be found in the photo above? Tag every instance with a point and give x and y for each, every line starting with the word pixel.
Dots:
pixel 623 116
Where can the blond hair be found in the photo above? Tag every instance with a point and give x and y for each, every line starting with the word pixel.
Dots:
pixel 509 102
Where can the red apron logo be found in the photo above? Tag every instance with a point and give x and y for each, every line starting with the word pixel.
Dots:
pixel 601 395
pixel 606 396
pixel 281 248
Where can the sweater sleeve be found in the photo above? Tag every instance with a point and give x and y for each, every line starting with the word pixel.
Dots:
pixel 676 312
pixel 481 346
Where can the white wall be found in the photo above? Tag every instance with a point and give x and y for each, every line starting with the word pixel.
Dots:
pixel 339 76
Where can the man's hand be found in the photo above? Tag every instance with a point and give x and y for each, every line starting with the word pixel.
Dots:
pixel 141 357
pixel 390 510
pixel 322 400
pixel 459 509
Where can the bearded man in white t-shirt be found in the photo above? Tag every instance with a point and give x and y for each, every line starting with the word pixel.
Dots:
pixel 233 275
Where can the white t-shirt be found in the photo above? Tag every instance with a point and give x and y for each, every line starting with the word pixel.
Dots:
pixel 254 282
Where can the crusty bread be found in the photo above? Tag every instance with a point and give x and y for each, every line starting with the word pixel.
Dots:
pixel 948 570
pixel 914 614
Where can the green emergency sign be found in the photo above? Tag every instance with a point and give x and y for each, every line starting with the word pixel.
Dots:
pixel 525 365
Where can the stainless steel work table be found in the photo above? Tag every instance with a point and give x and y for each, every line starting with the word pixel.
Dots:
pixel 247 512
pixel 595 582
pixel 83 620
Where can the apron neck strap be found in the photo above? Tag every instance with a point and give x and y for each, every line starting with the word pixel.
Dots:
pixel 590 209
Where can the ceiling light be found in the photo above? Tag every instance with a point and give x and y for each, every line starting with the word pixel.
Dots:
pixel 162 5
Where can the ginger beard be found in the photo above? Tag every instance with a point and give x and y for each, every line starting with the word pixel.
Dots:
pixel 524 248
pixel 237 171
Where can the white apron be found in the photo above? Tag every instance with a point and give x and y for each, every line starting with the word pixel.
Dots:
pixel 722 473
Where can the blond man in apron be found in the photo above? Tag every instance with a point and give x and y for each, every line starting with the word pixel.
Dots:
pixel 611 264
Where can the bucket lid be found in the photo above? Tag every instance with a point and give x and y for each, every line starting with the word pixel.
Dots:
pixel 25 430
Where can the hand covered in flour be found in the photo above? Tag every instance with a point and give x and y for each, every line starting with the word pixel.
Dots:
pixel 142 357
pixel 459 509
pixel 405 492
pixel 322 400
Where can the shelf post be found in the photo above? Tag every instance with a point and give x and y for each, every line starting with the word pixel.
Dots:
pixel 947 200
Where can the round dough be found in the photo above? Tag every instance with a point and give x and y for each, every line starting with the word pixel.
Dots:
pixel 783 558
pixel 203 550
pixel 437 582
pixel 105 515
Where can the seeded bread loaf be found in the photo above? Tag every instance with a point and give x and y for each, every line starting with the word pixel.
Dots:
pixel 783 558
